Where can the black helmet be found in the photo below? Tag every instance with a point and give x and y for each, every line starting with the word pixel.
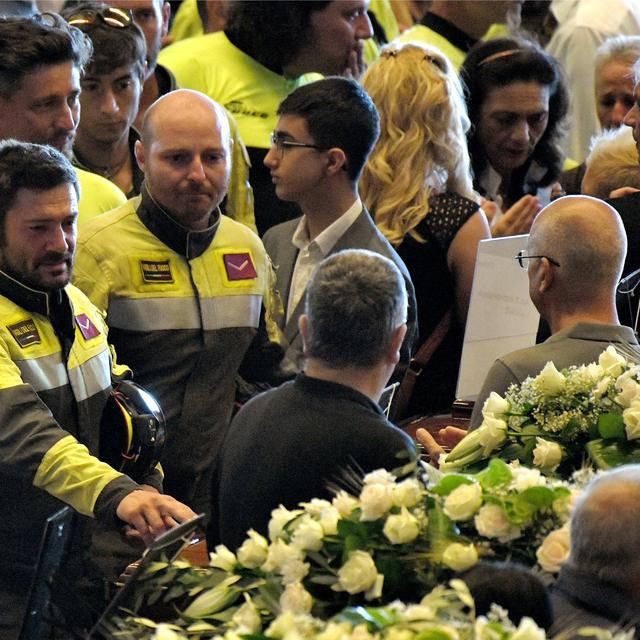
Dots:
pixel 132 431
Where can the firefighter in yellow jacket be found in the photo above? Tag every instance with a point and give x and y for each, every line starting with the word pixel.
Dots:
pixel 55 377
pixel 186 290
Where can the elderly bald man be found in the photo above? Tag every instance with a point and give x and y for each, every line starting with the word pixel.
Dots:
pixel 574 258
pixel 185 288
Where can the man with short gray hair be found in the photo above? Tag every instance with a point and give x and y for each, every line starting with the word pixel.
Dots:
pixel 600 583
pixel 286 445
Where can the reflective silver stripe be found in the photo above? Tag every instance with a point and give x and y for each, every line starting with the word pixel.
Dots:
pixel 47 372
pixel 91 376
pixel 162 314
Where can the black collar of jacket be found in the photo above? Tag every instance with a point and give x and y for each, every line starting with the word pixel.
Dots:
pixel 186 242
pixel 42 302
pixel 456 36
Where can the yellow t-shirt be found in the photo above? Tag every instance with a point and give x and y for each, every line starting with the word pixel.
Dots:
pixel 97 195
pixel 247 89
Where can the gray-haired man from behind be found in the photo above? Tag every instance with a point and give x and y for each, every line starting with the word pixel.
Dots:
pixel 599 586
pixel 287 444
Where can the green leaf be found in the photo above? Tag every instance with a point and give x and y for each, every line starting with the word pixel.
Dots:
pixel 539 497
pixel 606 454
pixel 375 619
pixel 433 634
pixel 496 474
pixel 611 425
pixel 450 482
pixel 214 599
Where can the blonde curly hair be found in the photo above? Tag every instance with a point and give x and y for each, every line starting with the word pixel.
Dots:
pixel 422 149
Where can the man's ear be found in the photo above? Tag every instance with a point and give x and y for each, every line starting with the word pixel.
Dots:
pixel 166 15
pixel 336 160
pixel 546 275
pixel 303 326
pixel 138 151
pixel 393 354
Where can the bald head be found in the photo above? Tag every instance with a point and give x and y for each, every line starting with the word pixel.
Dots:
pixel 186 108
pixel 185 155
pixel 586 237
pixel 605 529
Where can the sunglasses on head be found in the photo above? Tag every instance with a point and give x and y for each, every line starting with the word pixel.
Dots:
pixel 111 16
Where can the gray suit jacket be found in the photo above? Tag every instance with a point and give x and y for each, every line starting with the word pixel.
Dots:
pixel 579 344
pixel 362 234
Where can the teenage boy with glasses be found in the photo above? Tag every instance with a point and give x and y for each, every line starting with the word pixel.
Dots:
pixel 322 139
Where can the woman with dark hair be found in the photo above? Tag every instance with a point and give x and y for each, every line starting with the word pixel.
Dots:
pixel 517 100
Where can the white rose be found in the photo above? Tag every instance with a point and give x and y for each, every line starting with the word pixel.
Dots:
pixel 528 630
pixel 495 404
pixel 335 631
pixel 287 561
pixel 550 381
pixel 222 558
pixel 463 501
pixel 357 574
pixel 401 528
pixel 253 551
pixel 296 598
pixel 547 455
pixel 524 478
pixel 491 434
pixel 629 390
pixel 611 361
pixel 361 632
pixel 492 522
pixel 460 557
pixel 601 387
pixel 308 535
pixel 325 513
pixel 631 419
pixel 345 503
pixel 247 619
pixel 554 550
pixel 165 632
pixel 407 493
pixel 379 476
pixel 283 625
pixel 394 633
pixel 564 506
pixel 375 501
pixel 280 518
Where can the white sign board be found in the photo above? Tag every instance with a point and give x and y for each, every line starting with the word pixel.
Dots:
pixel 501 316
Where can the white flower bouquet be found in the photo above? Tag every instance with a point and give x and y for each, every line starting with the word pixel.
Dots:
pixel 394 542
pixel 558 419
pixel 446 613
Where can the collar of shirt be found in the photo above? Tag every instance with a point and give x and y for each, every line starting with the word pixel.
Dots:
pixel 326 240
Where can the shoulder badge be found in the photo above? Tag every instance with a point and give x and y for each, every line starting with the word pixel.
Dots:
pixel 87 328
pixel 239 266
pixel 25 333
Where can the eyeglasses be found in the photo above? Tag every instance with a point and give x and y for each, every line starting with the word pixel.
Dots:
pixel 523 260
pixel 281 144
pixel 112 17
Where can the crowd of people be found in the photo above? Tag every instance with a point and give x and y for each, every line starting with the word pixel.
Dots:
pixel 278 212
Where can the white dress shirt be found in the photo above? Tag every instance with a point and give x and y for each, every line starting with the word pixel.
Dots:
pixel 312 252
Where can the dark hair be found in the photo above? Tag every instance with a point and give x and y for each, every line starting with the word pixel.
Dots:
pixel 27 44
pixel 38 167
pixel 355 301
pixel 271 32
pixel 512 587
pixel 339 113
pixel 525 62
pixel 112 47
